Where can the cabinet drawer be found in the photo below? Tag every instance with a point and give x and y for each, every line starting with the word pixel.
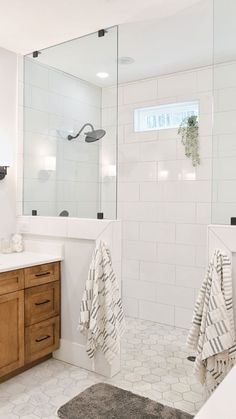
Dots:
pixel 42 274
pixel 41 303
pixel 11 281
pixel 41 339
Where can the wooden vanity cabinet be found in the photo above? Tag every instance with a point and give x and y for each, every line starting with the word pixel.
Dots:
pixel 29 316
pixel 11 332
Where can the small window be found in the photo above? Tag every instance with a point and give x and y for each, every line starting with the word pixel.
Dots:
pixel 164 116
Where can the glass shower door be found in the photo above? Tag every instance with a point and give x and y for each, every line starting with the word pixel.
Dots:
pixel 71 89
pixel 224 115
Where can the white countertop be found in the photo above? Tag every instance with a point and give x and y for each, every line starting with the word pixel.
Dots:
pixel 12 261
pixel 222 403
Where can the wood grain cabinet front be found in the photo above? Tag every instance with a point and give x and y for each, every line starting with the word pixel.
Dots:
pixel 41 339
pixel 29 317
pixel 11 281
pixel 42 274
pixel 41 303
pixel 11 332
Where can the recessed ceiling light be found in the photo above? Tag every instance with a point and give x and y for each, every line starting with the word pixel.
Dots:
pixel 126 60
pixel 102 75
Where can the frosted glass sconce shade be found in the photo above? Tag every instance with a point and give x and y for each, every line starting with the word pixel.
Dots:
pixel 50 163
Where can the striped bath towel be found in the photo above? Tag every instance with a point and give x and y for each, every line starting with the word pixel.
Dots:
pixel 101 311
pixel 212 333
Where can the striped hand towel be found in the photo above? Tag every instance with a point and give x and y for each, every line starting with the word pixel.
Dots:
pixel 101 311
pixel 212 334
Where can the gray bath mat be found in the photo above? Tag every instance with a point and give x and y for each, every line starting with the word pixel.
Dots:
pixel 103 401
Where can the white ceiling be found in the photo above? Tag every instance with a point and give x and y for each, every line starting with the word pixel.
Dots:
pixel 162 36
pixel 179 42
pixel 158 46
pixel 28 25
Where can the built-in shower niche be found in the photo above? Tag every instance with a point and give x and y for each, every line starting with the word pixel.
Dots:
pixel 69 153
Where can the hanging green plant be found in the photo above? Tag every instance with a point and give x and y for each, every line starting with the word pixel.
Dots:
pixel 188 130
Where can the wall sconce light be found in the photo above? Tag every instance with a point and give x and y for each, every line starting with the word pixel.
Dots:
pixel 112 170
pixel 109 172
pixel 50 163
pixel 6 157
pixel 3 172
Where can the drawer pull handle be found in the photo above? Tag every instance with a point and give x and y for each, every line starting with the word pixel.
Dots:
pixel 43 273
pixel 42 302
pixel 42 338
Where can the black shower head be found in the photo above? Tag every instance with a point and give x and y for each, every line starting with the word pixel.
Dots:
pixel 91 136
pixel 94 135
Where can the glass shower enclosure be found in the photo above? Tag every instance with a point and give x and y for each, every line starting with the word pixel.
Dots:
pixel 224 113
pixel 70 134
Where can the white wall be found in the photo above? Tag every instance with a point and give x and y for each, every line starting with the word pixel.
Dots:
pixel 8 128
pixel 57 104
pixel 164 217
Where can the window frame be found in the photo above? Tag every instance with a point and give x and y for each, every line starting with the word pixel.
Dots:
pixel 138 123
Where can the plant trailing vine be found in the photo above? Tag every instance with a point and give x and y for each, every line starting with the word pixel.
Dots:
pixel 188 130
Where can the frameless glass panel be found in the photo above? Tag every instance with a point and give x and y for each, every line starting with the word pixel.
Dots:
pixel 70 134
pixel 224 127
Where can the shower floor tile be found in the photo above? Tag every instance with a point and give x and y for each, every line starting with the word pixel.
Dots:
pixel 153 364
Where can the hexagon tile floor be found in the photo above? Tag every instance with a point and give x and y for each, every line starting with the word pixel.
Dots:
pixel 154 365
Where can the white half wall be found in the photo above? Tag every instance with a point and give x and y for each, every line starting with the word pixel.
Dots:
pixel 78 238
pixel 224 238
pixel 8 129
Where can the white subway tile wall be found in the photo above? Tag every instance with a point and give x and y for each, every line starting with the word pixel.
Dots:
pixel 55 105
pixel 164 202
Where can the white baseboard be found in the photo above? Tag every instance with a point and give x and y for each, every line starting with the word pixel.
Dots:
pixel 75 354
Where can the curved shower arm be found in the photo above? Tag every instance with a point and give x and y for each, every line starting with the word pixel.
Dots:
pixel 70 137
